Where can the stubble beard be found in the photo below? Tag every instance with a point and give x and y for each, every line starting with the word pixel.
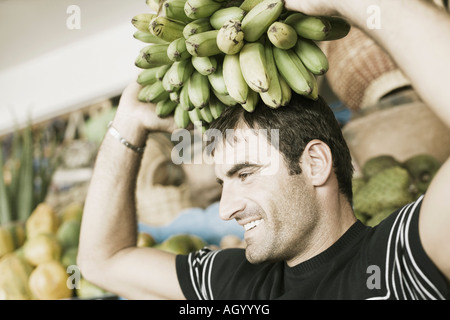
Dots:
pixel 288 230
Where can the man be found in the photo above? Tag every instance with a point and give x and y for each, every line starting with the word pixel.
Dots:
pixel 303 239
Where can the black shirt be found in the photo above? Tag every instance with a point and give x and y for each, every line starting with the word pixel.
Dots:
pixel 383 262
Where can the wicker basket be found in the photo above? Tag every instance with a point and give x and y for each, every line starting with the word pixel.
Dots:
pixel 360 71
pixel 158 201
pixel 401 131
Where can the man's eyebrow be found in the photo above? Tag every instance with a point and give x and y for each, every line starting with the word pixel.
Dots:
pixel 233 170
pixel 236 168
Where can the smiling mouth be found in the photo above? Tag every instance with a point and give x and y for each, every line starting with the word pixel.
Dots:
pixel 252 224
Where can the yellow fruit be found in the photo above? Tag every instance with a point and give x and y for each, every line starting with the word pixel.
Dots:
pixel 6 241
pixel 42 220
pixel 88 290
pixel 14 275
pixel 73 211
pixel 145 240
pixel 48 281
pixel 42 248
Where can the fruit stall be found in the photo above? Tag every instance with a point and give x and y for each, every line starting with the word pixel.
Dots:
pixel 193 59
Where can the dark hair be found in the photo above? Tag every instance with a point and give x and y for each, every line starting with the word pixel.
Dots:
pixel 299 122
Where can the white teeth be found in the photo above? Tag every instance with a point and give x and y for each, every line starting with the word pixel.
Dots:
pixel 252 224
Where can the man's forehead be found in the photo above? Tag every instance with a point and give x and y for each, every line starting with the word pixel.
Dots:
pixel 245 145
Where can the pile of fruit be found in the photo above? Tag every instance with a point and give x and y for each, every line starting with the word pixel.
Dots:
pixel 205 55
pixel 387 184
pixel 35 256
pixel 38 257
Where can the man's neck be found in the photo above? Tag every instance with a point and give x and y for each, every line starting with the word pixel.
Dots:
pixel 337 218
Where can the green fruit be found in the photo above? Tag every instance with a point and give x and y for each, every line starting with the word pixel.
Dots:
pixel 378 164
pixel 145 239
pixel 68 234
pixel 357 184
pixel 69 257
pixel 197 243
pixel 88 290
pixel 422 168
pixel 386 189
pixel 380 216
pixel 177 244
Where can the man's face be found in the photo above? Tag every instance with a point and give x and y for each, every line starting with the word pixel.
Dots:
pixel 277 210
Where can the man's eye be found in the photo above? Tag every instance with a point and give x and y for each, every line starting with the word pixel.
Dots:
pixel 243 175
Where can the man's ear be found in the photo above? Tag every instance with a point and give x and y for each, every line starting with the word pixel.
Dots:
pixel 317 162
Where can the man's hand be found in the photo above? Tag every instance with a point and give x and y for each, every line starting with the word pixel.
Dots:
pixel 131 113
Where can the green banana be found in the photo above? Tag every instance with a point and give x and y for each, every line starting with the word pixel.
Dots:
pixel 339 28
pixel 251 102
pixel 226 99
pixel 155 5
pixel 175 96
pixel 205 65
pixel 147 37
pixel 248 5
pixel 234 80
pixel 179 73
pixel 260 17
pixel 141 61
pixel 196 118
pixel 314 95
pixel 282 35
pixel 143 93
pixel 206 114
pixel 166 29
pixel 177 50
pixel 164 108
pixel 161 71
pixel 196 26
pixel 185 102
pixel 312 56
pixel 216 106
pixel 253 66
pixel 221 16
pixel 147 76
pixel 167 85
pixel 216 79
pixel 196 9
pixel 274 96
pixel 153 93
pixel 294 72
pixel 142 21
pixel 156 55
pixel 198 89
pixel 174 10
pixel 203 44
pixel 309 27
pixel 287 91
pixel 230 38
pixel 181 117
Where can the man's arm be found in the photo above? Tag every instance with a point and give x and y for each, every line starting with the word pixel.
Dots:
pixel 416 35
pixel 108 255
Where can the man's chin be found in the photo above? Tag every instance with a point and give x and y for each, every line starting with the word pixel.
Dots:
pixel 254 256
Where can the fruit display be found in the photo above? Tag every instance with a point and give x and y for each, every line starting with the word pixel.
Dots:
pixel 205 55
pixel 39 252
pixel 38 257
pixel 387 184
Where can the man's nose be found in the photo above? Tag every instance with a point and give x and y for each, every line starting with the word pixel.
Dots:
pixel 231 202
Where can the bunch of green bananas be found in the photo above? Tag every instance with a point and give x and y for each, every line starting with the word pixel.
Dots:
pixel 205 55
